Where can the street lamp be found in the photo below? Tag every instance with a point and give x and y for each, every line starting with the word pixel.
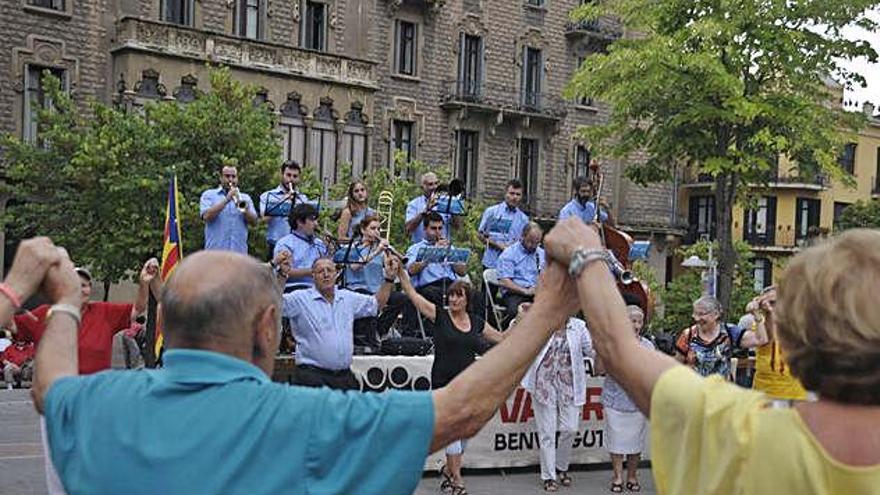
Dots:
pixel 709 273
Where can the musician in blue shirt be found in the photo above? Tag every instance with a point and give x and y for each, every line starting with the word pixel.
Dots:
pixel 429 279
pixel 302 244
pixel 583 205
pixel 275 204
pixel 519 267
pixel 226 220
pixel 420 206
pixel 502 224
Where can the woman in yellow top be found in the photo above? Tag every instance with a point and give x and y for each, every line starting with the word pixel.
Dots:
pixel 772 373
pixel 710 436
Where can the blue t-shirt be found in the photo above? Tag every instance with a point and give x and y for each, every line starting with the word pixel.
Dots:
pixel 521 266
pixel 211 423
pixel 585 212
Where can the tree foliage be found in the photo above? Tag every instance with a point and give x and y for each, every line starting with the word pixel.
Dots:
pixel 97 180
pixel 679 295
pixel 860 215
pixel 724 88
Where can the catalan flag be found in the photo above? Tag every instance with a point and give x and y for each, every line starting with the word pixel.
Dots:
pixel 172 252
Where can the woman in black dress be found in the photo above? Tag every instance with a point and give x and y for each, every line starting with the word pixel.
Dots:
pixel 458 338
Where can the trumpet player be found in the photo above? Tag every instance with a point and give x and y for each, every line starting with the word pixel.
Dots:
pixel 519 267
pixel 275 204
pixel 227 212
pixel 418 208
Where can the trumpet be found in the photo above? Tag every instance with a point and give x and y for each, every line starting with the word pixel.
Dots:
pixel 239 202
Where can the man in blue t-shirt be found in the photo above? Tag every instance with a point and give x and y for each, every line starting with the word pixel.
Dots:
pixel 211 421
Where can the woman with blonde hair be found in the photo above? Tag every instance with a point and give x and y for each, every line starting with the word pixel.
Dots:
pixel 709 436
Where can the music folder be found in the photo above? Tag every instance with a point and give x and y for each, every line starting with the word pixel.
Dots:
pixel 437 254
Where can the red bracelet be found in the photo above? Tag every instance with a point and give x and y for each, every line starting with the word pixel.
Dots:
pixel 10 293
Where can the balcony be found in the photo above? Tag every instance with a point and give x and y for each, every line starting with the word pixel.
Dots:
pixel 602 29
pixel 818 182
pixel 171 40
pixel 483 97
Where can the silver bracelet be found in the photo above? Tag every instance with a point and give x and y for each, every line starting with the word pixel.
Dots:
pixel 67 309
pixel 582 257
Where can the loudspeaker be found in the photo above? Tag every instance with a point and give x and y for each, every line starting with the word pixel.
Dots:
pixel 406 346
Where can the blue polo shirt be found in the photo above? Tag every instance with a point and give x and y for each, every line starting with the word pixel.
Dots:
pixel 416 206
pixel 277 211
pixel 303 251
pixel 585 212
pixel 323 330
pixel 211 423
pixel 432 271
pixel 521 266
pixel 228 231
pixel 503 224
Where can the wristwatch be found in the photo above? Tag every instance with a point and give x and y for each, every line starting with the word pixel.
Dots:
pixel 582 257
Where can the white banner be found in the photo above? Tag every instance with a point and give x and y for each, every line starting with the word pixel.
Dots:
pixel 510 438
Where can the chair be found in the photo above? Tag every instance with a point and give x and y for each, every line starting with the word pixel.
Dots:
pixel 490 278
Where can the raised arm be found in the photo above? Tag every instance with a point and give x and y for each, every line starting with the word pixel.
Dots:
pixel 757 335
pixel 424 306
pixel 465 405
pixel 149 273
pixel 636 369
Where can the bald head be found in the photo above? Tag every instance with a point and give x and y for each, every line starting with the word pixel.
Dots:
pixel 214 299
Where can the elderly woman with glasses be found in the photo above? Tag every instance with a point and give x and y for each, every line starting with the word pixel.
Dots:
pixel 708 345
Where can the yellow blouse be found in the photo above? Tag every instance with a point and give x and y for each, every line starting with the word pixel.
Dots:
pixel 712 437
pixel 773 376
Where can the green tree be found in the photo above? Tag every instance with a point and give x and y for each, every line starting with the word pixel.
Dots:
pixel 722 88
pixel 860 215
pixel 678 297
pixel 96 182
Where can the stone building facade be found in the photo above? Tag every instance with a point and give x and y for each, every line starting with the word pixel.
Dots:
pixel 471 84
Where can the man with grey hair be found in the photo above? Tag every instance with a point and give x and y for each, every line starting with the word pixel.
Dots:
pixel 419 206
pixel 519 267
pixel 322 319
pixel 211 421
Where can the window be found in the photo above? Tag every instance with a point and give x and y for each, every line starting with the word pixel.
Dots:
pixel 528 168
pixel 532 74
pixel 248 18
pixel 178 12
pixel 314 26
pixel 470 67
pixel 36 99
pixel 584 101
pixel 701 217
pixel 763 273
pixel 847 160
pixel 807 218
pixel 48 4
pixel 402 140
pixel 838 210
pixel 405 48
pixel 322 149
pixel 535 3
pixel 354 140
pixel 760 223
pixel 581 161
pixel 468 154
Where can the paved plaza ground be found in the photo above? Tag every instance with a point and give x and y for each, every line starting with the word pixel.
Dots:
pixel 21 462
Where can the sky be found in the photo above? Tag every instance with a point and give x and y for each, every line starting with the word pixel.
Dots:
pixel 853 99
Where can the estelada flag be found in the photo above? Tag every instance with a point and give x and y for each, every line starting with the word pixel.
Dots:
pixel 172 252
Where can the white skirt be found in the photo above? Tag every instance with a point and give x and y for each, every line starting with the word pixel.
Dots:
pixel 625 432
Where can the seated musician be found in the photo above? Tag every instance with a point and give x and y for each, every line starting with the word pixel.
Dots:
pixel 366 277
pixel 518 268
pixel 302 244
pixel 322 318
pixel 429 279
pixel 583 205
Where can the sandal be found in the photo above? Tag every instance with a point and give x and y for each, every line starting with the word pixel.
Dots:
pixel 616 487
pixel 446 484
pixel 564 478
pixel 551 486
pixel 633 486
pixel 459 490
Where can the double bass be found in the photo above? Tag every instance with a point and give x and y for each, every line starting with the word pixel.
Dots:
pixel 619 244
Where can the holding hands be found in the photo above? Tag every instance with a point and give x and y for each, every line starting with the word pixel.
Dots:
pixel 39 264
